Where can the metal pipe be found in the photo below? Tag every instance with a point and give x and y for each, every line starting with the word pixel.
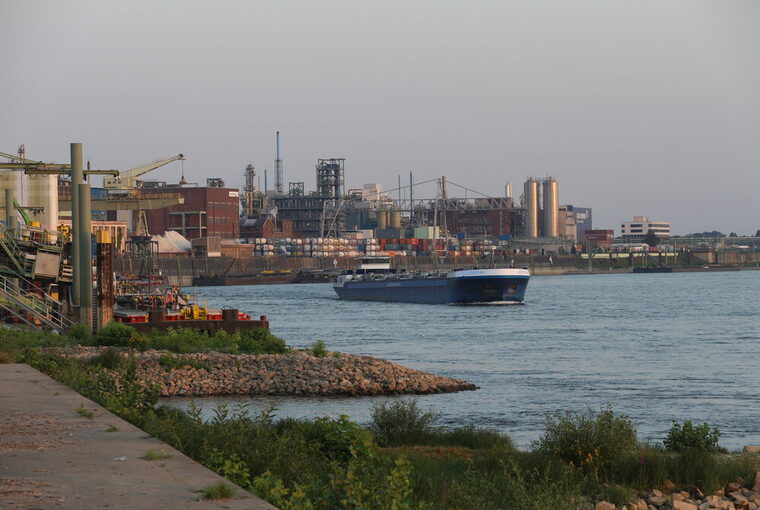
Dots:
pixel 76 178
pixel 85 255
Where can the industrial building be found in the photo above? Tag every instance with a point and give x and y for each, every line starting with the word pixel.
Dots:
pixel 636 230
pixel 209 211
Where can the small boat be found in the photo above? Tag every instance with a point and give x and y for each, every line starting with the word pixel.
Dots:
pixel 374 280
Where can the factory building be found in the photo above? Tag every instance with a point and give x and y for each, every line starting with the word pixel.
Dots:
pixel 601 238
pixel 636 230
pixel 582 219
pixel 207 211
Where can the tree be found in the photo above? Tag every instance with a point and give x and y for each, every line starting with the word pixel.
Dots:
pixel 651 238
pixel 732 234
pixel 757 234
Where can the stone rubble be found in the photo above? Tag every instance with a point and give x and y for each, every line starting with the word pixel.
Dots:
pixel 295 373
pixel 734 496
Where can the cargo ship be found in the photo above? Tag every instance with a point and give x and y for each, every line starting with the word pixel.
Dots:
pixel 376 281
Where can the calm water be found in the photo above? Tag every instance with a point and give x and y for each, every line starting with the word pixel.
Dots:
pixel 658 347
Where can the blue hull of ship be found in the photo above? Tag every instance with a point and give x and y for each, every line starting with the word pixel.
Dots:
pixel 471 289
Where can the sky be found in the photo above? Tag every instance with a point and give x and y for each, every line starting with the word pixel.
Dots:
pixel 636 108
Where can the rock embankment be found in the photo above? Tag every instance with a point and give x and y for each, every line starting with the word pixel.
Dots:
pixel 734 496
pixel 295 373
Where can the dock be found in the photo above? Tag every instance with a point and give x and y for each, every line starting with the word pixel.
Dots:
pixel 52 455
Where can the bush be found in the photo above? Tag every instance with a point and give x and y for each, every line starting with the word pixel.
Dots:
pixel 80 333
pixel 319 349
pixel 261 341
pixel 115 334
pixel 402 422
pixel 687 436
pixel 110 358
pixel 587 440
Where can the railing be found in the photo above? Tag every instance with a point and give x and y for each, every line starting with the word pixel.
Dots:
pixel 42 309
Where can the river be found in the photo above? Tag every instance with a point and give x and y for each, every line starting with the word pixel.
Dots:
pixel 658 347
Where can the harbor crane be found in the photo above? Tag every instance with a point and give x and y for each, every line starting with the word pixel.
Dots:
pixel 127 179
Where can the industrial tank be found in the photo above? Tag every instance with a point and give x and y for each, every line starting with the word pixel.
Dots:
pixel 395 218
pixel 382 220
pixel 531 208
pixel 551 208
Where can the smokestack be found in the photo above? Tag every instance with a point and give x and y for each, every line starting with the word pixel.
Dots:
pixel 508 190
pixel 278 168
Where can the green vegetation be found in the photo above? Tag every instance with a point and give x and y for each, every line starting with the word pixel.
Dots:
pixel 588 441
pixel 14 343
pixel 687 436
pixel 111 428
pixel 110 358
pixel 219 490
pixel 318 349
pixel 154 455
pixel 173 362
pixel 404 458
pixel 84 412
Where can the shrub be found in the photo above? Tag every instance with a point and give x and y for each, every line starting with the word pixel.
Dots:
pixel 80 333
pixel 402 422
pixel 261 341
pixel 335 438
pixel 110 359
pixel 688 436
pixel 115 334
pixel 588 440
pixel 319 349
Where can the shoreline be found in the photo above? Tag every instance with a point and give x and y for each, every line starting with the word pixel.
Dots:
pixel 297 373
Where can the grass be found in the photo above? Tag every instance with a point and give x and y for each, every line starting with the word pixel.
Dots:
pixel 219 490
pixel 154 455
pixel 84 412
pixel 173 362
pixel 403 459
pixel 112 429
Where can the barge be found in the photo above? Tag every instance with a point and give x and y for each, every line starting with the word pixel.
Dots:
pixel 375 281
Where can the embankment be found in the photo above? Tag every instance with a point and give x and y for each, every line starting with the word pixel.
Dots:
pixel 295 373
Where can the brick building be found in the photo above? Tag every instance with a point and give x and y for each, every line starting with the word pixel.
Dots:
pixel 207 212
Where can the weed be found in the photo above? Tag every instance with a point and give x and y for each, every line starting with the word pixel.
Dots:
pixel 154 455
pixel 5 358
pixel 219 490
pixel 336 354
pixel 318 349
pixel 84 412
pixel 110 358
pixel 173 362
pixel 112 429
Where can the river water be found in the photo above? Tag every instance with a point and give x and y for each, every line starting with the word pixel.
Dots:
pixel 658 347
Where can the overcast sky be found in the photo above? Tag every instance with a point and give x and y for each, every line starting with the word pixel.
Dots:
pixel 635 107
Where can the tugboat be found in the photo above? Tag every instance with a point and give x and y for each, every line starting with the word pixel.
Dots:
pixel 376 281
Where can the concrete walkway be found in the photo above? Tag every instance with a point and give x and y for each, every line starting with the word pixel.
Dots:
pixel 51 456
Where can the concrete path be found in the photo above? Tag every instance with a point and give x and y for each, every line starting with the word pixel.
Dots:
pixel 51 456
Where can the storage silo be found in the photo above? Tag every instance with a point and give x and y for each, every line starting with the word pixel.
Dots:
pixel 530 199
pixel 382 220
pixel 395 219
pixel 551 208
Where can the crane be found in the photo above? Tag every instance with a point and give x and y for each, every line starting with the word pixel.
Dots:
pixel 128 178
